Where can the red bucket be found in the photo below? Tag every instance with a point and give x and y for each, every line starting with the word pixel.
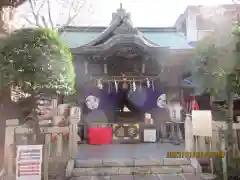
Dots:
pixel 100 135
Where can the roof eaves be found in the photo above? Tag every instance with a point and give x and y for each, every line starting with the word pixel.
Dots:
pixel 99 29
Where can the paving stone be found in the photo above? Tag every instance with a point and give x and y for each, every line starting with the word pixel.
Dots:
pixel 118 162
pixel 142 170
pixel 122 177
pixel 166 170
pixel 208 176
pixel 94 171
pixel 188 169
pixel 169 177
pixel 100 178
pixel 190 177
pixel 81 178
pixel 79 172
pixel 175 161
pixel 147 162
pixel 88 163
pixel 102 171
pixel 146 177
pixel 125 170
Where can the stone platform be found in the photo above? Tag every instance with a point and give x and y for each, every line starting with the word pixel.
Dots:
pixel 140 177
pixel 130 162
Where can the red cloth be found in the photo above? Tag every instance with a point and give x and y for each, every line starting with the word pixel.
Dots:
pixel 194 104
pixel 100 135
pixel 191 104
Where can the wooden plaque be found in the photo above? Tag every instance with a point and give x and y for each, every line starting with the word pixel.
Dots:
pixel 126 132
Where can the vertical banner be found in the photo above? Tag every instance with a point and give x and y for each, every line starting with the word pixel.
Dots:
pixel 28 162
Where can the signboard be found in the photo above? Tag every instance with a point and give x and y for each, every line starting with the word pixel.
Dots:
pixel 28 162
pixel 126 132
pixel 202 123
pixel 150 135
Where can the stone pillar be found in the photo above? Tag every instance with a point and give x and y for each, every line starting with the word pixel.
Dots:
pixel 189 144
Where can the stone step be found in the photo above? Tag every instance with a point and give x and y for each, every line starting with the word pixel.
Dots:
pixel 91 163
pixel 133 177
pixel 108 171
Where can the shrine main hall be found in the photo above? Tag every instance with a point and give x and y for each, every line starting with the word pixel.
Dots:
pixel 123 67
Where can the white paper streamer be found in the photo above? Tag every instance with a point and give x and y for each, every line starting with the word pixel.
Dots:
pixel 116 85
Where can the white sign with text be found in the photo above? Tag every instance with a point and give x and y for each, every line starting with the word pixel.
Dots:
pixel 202 123
pixel 28 162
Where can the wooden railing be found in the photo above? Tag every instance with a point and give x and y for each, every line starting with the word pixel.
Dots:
pixel 15 132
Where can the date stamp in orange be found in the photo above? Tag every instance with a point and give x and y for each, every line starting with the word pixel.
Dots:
pixel 195 154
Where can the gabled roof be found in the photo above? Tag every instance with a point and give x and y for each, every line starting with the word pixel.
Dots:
pixel 121 30
pixel 160 36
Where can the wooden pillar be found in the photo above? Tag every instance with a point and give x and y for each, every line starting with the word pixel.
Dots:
pixel 47 152
pixel 73 129
pixel 189 139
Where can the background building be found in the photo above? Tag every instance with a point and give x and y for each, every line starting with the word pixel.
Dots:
pixel 199 21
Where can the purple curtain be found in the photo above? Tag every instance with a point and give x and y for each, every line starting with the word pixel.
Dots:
pixel 145 99
pixel 108 101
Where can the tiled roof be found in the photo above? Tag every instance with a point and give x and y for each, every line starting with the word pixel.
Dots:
pixel 173 40
pixel 122 27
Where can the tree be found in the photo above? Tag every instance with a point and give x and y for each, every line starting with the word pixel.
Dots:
pixel 35 60
pixel 42 13
pixel 7 9
pixel 216 69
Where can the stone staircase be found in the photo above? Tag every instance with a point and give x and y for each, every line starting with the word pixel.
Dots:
pixel 132 169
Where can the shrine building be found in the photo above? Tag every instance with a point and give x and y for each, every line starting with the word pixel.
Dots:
pixel 123 67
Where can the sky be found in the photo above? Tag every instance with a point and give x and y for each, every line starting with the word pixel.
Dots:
pixel 144 13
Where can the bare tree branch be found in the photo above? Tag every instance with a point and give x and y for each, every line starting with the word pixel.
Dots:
pixel 70 19
pixel 30 22
pixel 35 15
pixel 76 7
pixel 41 6
pixel 44 21
pixel 49 14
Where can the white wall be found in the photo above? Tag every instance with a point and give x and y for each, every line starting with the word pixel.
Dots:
pixel 191 26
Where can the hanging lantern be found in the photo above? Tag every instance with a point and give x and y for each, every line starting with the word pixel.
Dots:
pixel 99 84
pixel 148 83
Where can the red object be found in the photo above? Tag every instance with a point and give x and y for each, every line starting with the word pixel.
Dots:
pixel 191 104
pixel 100 135
pixel 54 138
pixel 148 121
pixel 194 104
